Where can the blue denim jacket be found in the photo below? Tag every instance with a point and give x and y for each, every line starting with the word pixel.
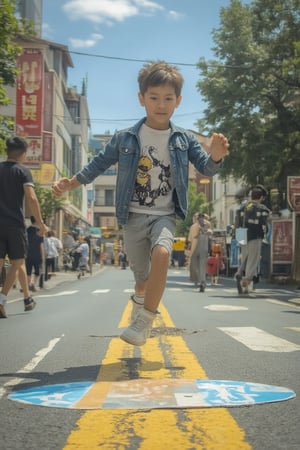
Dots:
pixel 124 149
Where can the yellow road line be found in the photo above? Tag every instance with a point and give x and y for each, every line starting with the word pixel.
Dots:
pixel 178 429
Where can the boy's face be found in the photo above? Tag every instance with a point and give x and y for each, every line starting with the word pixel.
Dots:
pixel 160 103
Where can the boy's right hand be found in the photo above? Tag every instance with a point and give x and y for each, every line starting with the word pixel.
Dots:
pixel 60 186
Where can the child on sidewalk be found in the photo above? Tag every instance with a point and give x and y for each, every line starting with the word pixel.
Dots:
pixel 152 183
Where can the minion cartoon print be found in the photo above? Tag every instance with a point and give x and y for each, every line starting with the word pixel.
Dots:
pixel 152 179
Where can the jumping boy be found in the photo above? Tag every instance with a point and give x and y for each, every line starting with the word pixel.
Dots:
pixel 152 184
pixel 16 184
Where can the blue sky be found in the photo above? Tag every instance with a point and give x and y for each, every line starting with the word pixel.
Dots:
pixel 177 31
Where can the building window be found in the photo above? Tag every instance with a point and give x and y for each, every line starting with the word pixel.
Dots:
pixel 104 197
pixel 109 197
pixel 231 217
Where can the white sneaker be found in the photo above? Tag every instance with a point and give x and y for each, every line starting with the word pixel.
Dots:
pixel 136 308
pixel 138 332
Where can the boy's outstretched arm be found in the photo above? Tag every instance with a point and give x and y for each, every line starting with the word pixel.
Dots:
pixel 218 147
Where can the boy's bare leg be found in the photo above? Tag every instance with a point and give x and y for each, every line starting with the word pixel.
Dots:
pixel 141 324
pixel 157 278
pixel 140 288
pixel 11 275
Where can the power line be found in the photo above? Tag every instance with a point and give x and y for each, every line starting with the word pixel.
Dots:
pixel 108 120
pixel 120 58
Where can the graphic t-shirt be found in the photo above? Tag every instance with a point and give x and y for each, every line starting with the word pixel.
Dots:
pixel 153 191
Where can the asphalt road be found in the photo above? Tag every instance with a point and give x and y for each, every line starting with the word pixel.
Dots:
pixel 73 337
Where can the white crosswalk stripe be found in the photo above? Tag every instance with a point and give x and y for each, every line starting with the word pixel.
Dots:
pixel 253 338
pixel 101 291
pixel 259 340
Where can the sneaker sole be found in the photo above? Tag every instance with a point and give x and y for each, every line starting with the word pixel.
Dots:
pixel 3 314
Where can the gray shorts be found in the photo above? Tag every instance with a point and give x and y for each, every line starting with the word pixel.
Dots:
pixel 141 233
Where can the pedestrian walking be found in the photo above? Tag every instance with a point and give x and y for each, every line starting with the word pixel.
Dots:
pixel 254 217
pixel 199 238
pixel 35 254
pixel 16 184
pixel 84 251
pixel 151 189
pixel 51 253
pixel 59 248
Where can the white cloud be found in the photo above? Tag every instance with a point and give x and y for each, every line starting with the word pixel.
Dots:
pixel 85 43
pixel 174 15
pixel 109 11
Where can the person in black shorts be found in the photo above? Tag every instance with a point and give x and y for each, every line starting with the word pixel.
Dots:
pixel 16 184
pixel 35 254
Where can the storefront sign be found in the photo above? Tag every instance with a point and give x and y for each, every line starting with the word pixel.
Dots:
pixel 293 192
pixel 282 241
pixel 29 95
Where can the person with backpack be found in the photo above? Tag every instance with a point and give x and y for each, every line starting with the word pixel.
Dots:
pixel 254 216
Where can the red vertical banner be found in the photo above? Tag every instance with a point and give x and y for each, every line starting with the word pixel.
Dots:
pixel 47 147
pixel 29 93
pixel 34 150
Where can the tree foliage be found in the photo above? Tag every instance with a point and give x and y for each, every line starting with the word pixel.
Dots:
pixel 252 89
pixel 10 29
pixel 196 203
pixel 49 203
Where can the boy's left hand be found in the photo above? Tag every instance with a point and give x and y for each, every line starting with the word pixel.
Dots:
pixel 218 147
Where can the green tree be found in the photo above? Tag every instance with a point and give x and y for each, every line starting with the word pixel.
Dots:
pixel 9 52
pixel 49 203
pixel 252 90
pixel 196 203
pixel 10 29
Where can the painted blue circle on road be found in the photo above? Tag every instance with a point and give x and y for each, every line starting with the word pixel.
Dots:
pixel 55 395
pixel 147 393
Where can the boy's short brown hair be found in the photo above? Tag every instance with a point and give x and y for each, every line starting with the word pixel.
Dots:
pixel 160 73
